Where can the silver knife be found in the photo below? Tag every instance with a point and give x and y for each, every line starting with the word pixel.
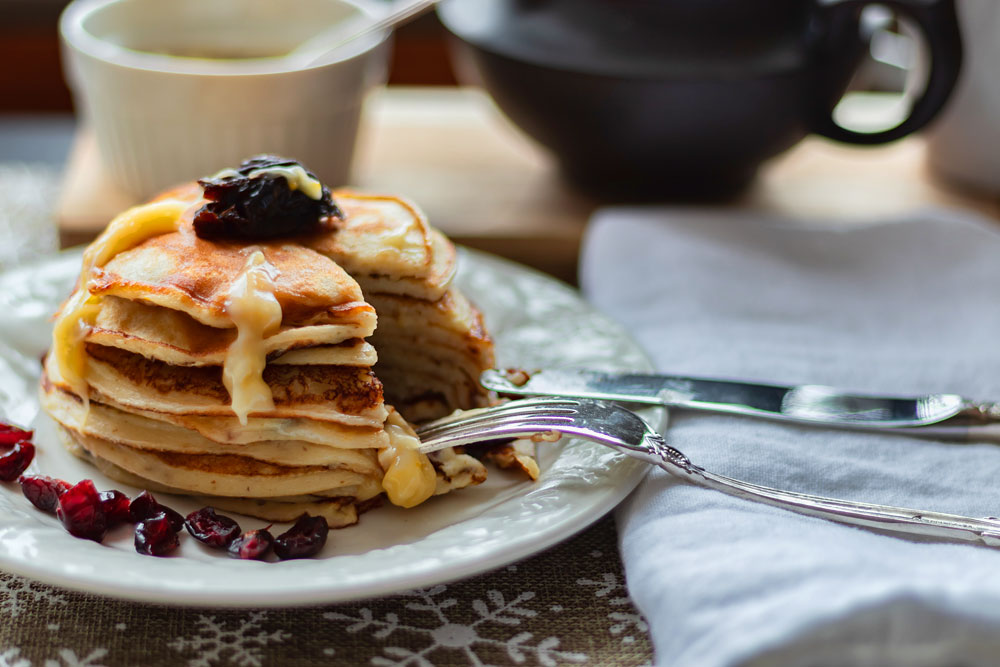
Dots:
pixel 947 416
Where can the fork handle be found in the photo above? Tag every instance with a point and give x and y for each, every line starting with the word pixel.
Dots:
pixel 883 517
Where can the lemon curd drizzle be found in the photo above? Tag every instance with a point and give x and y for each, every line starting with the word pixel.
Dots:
pixel 255 311
pixel 295 175
pixel 251 305
pixel 409 477
pixel 78 315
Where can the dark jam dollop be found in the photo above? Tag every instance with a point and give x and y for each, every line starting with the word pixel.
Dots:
pixel 260 207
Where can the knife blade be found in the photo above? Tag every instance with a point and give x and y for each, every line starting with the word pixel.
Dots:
pixel 816 404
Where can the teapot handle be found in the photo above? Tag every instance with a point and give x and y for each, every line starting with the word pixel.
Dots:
pixel 938 23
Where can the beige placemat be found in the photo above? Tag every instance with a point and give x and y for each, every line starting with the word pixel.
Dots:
pixel 566 606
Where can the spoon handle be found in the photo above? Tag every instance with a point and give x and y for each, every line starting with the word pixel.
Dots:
pixel 399 12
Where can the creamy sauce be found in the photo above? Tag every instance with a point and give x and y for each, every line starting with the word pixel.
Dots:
pixel 409 476
pixel 297 179
pixel 383 236
pixel 78 315
pixel 255 311
pixel 296 176
pixel 397 239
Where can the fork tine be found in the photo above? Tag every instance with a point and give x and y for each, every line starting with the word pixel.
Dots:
pixel 515 419
pixel 490 418
pixel 585 418
pixel 517 429
pixel 520 404
pixel 541 421
pixel 522 408
pixel 493 432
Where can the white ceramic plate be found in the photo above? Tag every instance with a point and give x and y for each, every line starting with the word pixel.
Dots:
pixel 537 322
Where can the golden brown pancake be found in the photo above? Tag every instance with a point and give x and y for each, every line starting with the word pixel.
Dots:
pixel 108 423
pixel 185 273
pixel 339 511
pixel 385 243
pixel 343 394
pixel 177 338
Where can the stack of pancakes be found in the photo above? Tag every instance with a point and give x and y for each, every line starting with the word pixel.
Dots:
pixel 240 371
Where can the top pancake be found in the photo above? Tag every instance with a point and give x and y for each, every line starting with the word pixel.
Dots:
pixel 183 272
pixel 384 243
pixel 387 245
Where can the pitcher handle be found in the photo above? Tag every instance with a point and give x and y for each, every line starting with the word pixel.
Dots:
pixel 938 23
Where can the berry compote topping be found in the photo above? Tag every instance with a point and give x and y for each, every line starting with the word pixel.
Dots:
pixel 80 510
pixel 43 492
pixel 116 507
pixel 215 530
pixel 155 536
pixel 16 460
pixel 256 201
pixel 11 435
pixel 303 540
pixel 252 545
pixel 145 506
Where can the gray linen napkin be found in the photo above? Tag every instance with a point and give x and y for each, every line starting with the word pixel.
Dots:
pixel 896 307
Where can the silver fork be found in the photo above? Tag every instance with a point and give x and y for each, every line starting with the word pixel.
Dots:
pixel 619 428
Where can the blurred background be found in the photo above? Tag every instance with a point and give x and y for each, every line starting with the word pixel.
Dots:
pixel 36 97
pixel 494 168
pixel 34 86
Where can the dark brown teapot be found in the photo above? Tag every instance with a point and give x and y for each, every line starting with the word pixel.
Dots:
pixel 667 98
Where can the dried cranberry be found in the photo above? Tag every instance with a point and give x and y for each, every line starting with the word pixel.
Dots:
pixel 43 492
pixel 155 536
pixel 252 545
pixel 11 435
pixel 16 461
pixel 259 207
pixel 145 506
pixel 215 530
pixel 116 507
pixel 80 510
pixel 306 538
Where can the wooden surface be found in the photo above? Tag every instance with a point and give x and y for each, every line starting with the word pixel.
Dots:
pixel 488 186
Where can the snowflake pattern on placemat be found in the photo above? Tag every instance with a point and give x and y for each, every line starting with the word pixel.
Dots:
pixel 567 606
pixel 11 657
pixel 18 594
pixel 459 637
pixel 68 658
pixel 241 645
pixel 65 657
pixel 626 622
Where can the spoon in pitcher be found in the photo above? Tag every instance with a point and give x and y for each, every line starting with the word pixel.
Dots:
pixel 323 47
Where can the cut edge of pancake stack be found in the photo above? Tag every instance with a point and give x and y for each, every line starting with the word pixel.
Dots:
pixel 431 340
pixel 241 371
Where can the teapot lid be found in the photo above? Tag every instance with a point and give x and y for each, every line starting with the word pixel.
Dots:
pixel 641 38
